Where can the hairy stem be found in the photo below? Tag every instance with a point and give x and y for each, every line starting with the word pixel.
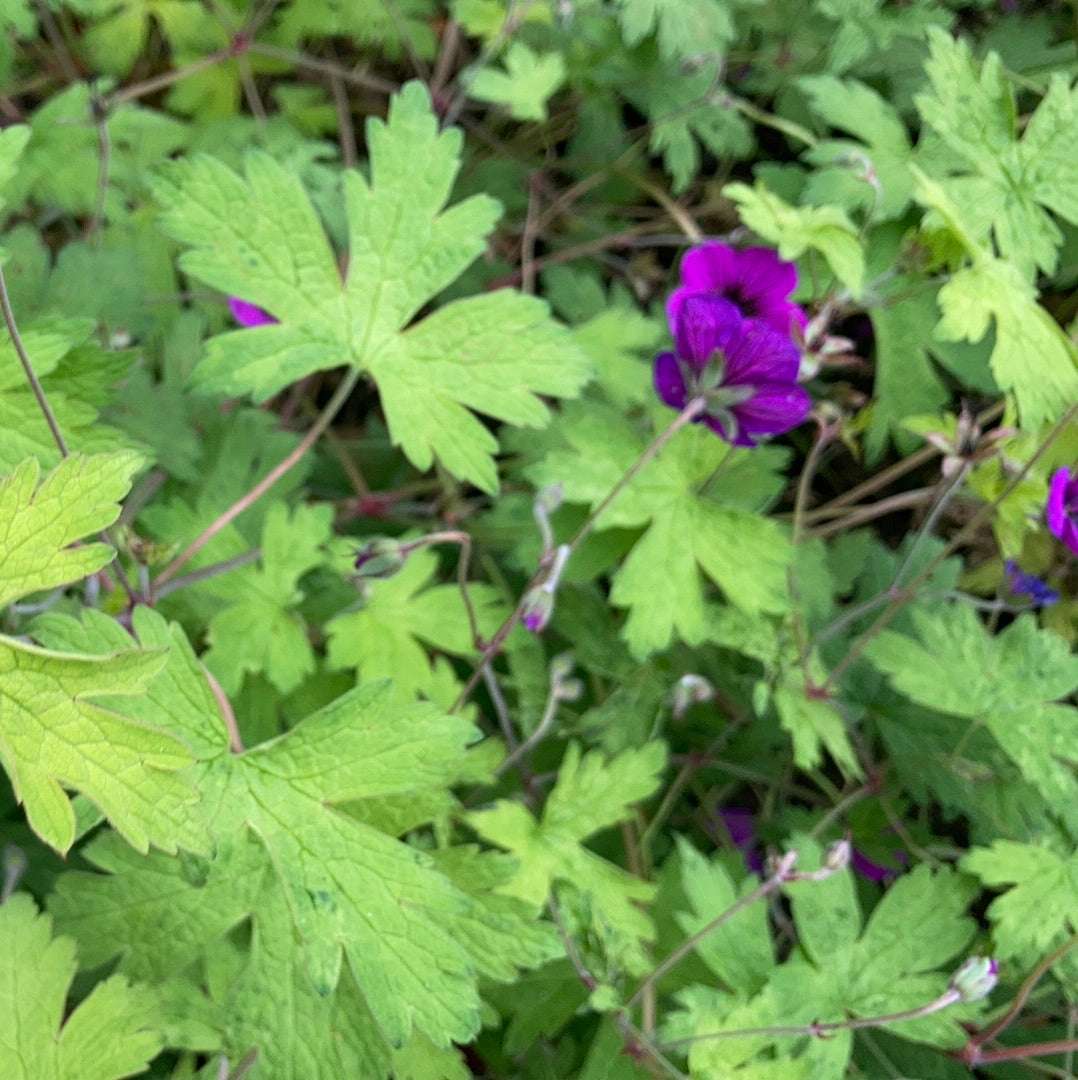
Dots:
pixel 819 1030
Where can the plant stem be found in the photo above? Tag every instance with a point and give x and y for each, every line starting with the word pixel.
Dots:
pixel 324 67
pixel 995 1029
pixel 764 889
pixel 904 596
pixel 1017 1053
pixel 819 1031
pixel 860 515
pixel 166 78
pixel 493 647
pixel 325 418
pixel 28 369
pixel 550 712
pixel 205 573
pixel 228 716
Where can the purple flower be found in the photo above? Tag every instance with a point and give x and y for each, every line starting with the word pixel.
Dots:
pixel 248 314
pixel 1023 584
pixel 746 370
pixel 755 280
pixel 1062 508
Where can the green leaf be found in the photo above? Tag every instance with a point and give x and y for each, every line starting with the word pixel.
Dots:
pixel 1007 682
pixel 493 353
pixel 13 141
pixel 879 970
pixel 75 375
pixel 797 229
pixel 54 735
pixel 591 794
pixel 386 637
pixel 114 1032
pixel 853 107
pixel 40 521
pixel 1041 897
pixel 283 842
pixel 259 631
pixel 814 724
pixel 685 28
pixel 686 111
pixel 1012 183
pixel 1033 358
pixel 530 79
pixel 739 952
pixel 742 552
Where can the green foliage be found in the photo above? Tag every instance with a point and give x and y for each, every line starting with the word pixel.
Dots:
pixel 388 636
pixel 1013 182
pixel 1009 683
pixel 1039 903
pixel 795 230
pixel 525 86
pixel 303 815
pixel 42 520
pixel 686 532
pixel 114 1032
pixel 403 249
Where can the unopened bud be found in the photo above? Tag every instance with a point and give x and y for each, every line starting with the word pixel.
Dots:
pixel 976 978
pixel 838 856
pixel 549 498
pixel 380 558
pixel 690 690
pixel 536 610
pixel 561 667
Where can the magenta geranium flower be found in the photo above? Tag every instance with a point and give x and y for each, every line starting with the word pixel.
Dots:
pixel 248 314
pixel 745 369
pixel 1062 508
pixel 755 280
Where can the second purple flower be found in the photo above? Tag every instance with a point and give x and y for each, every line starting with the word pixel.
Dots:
pixel 746 370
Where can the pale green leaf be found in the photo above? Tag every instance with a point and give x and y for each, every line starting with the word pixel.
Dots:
pixel 1041 897
pixel 529 80
pixel 259 237
pixel 660 581
pixel 113 1033
pixel 974 112
pixel 40 521
pixel 401 617
pixel 53 735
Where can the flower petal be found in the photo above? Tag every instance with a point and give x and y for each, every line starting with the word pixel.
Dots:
pixel 248 314
pixel 708 268
pixel 773 409
pixel 761 355
pixel 1055 510
pixel 762 274
pixel 669 381
pixel 705 324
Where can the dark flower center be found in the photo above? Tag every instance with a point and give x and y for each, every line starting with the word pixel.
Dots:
pixel 746 303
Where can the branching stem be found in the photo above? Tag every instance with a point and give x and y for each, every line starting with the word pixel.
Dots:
pixel 325 418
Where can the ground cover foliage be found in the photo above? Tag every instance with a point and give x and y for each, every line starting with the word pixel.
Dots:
pixel 538 539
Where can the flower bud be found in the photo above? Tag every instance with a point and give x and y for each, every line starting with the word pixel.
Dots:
pixel 549 498
pixel 537 608
pixel 380 558
pixel 976 978
pixel 690 690
pixel 838 856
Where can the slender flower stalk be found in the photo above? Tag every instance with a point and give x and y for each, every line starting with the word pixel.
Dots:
pixel 325 418
pixel 654 448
